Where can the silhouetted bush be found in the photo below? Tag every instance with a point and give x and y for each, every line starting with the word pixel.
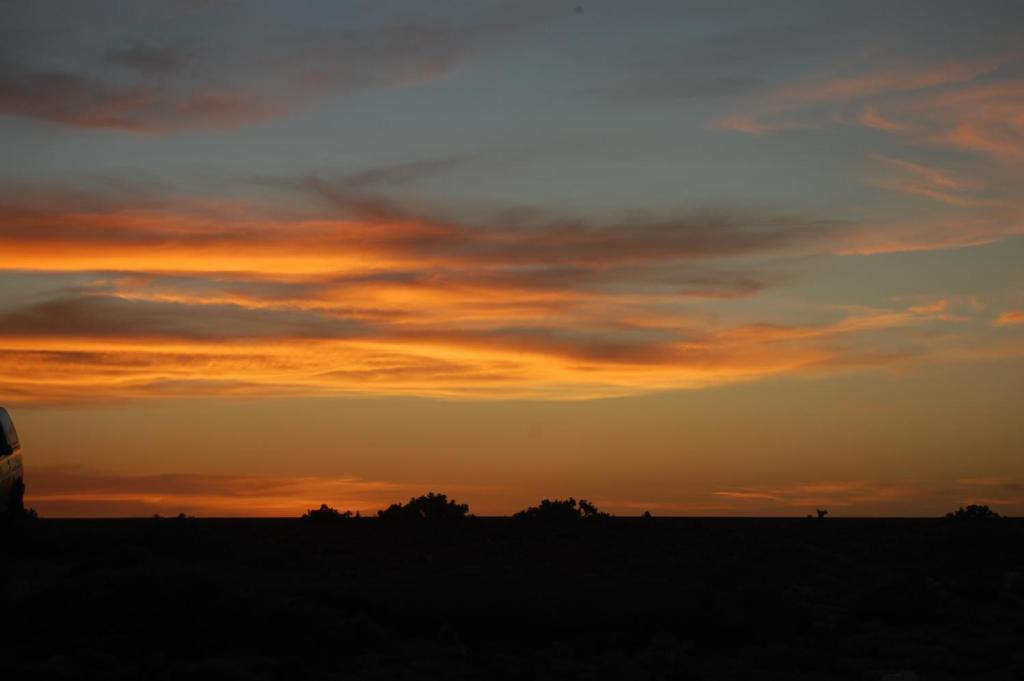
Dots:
pixel 325 514
pixel 561 511
pixel 19 515
pixel 181 517
pixel 973 513
pixel 431 508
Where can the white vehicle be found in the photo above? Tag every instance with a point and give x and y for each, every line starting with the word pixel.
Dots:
pixel 12 482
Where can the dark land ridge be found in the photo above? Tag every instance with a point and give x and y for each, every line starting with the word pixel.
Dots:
pixel 504 598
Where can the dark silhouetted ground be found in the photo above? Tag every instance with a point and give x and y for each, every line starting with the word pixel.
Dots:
pixel 497 599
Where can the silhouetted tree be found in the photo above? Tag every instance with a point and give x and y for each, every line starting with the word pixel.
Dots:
pixel 325 514
pixel 822 512
pixel 432 508
pixel 561 510
pixel 973 513
pixel 647 515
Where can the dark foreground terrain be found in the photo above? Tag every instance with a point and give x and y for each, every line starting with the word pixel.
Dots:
pixel 495 599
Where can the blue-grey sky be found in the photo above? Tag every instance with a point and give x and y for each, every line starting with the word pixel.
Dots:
pixel 503 206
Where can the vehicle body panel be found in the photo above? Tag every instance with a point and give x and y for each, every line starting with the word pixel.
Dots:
pixel 11 472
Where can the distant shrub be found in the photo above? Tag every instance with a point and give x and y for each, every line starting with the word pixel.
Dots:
pixel 180 517
pixel 973 513
pixel 560 511
pixel 18 516
pixel 325 514
pixel 431 508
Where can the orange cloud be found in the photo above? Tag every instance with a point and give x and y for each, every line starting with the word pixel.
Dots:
pixel 74 491
pixel 933 176
pixel 984 118
pixel 907 78
pixel 228 300
pixel 975 137
pixel 77 491
pixel 937 234
pixel 225 238
pixel 930 182
pixel 874 497
pixel 739 123
pixel 110 348
pixel 871 118
pixel 969 106
pixel 1011 318
pixel 958 104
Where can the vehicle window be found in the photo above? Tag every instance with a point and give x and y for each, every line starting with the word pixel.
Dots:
pixel 8 436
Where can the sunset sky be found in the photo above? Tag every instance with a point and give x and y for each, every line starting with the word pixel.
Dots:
pixel 712 258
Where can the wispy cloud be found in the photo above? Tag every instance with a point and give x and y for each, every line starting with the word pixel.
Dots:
pixel 1011 318
pixel 102 346
pixel 969 105
pixel 751 126
pixel 874 497
pixel 231 237
pixel 76 491
pixel 366 294
pixel 143 85
pixel 887 80
pixel 929 182
pixel 944 233
pixel 80 491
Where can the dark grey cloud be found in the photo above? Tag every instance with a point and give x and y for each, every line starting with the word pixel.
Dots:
pixel 198 80
pixel 685 281
pixel 68 98
pixel 399 175
pixel 497 238
pixel 148 59
pixel 101 316
pixel 532 236
pixel 122 362
pixel 111 317
pixel 725 64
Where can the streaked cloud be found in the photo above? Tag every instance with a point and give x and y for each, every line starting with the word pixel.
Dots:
pixel 942 233
pixel 76 491
pixel 358 291
pixel 213 236
pixel 1011 318
pixel 874 497
pixel 80 491
pixel 107 346
pixel 971 105
pixel 143 84
pixel 751 126
pixel 212 211
pixel 888 80
pixel 929 182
